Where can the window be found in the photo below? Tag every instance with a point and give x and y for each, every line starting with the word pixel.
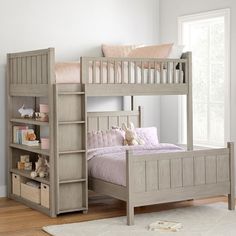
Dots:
pixel 207 36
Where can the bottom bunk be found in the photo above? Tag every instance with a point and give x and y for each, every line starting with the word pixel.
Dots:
pixel 154 173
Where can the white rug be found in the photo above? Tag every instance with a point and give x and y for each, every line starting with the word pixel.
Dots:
pixel 213 220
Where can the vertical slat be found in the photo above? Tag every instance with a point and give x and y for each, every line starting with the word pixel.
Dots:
pixel 113 121
pixel 188 172
pixel 39 69
pixel 122 72
pixel 94 72
pixel 174 73
pixel 123 119
pixel 103 123
pixel 164 174
pixel 101 72
pixel 115 72
pixel 180 73
pixel 161 73
pixel 28 70
pixel 135 73
pixel 168 77
pixel 199 170
pixel 222 168
pixel 108 73
pixel 152 175
pixel 34 70
pixel 129 72
pixel 140 170
pixel 142 73
pixel 19 71
pixel 176 173
pixel 155 73
pixel 14 70
pixel 210 169
pixel 149 73
pixel 231 195
pixel 23 66
pixel 44 69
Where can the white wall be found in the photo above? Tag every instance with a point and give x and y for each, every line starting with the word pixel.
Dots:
pixel 74 28
pixel 170 10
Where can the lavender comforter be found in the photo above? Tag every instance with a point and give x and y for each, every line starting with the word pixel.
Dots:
pixel 108 164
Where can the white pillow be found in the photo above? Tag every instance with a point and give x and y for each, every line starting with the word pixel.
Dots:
pixel 176 51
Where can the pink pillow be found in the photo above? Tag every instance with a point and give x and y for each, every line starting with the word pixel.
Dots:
pixel 155 51
pixel 117 50
pixel 108 138
pixel 148 135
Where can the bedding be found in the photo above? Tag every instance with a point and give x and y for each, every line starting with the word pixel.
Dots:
pixel 69 72
pixel 109 164
pixel 117 50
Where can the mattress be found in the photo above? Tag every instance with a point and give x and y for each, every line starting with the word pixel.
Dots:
pixel 109 164
pixel 69 72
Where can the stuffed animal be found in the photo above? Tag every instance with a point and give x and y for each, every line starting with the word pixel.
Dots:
pixel 41 168
pixel 26 112
pixel 131 137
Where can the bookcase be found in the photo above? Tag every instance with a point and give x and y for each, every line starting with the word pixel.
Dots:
pixel 30 81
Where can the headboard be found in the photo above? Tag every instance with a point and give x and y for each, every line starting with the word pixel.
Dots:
pixel 105 120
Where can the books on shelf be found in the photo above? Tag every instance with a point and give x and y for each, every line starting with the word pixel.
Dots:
pixel 24 135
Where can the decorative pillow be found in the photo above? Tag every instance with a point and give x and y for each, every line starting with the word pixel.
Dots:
pixel 148 135
pixel 108 138
pixel 155 51
pixel 117 50
pixel 176 51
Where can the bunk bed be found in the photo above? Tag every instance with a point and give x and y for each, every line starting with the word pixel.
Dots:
pixel 150 178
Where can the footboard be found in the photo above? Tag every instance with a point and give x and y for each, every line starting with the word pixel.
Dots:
pixel 169 177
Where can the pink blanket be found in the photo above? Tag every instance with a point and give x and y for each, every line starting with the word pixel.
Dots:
pixel 108 164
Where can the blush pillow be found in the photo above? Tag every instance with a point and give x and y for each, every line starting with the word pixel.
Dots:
pixel 117 50
pixel 148 135
pixel 176 51
pixel 108 138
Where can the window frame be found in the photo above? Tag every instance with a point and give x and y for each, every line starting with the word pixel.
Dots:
pixel 181 101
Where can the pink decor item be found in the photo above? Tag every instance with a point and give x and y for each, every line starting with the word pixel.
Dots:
pixel 44 143
pixel 43 108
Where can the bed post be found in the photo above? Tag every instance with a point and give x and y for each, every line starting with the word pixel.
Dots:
pixel 231 196
pixel 129 204
pixel 132 103
pixel 188 71
pixel 140 109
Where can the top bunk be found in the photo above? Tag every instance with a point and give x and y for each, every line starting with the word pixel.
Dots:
pixel 35 73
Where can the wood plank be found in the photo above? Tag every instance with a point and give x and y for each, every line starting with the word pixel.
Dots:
pixel 176 173
pixel 211 170
pixel 222 168
pixel 139 173
pixel 199 170
pixel 152 176
pixel 164 174
pixel 188 173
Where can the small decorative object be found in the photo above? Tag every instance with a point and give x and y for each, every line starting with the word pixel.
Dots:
pixel 131 137
pixel 44 143
pixel 41 116
pixel 165 226
pixel 28 137
pixel 41 167
pixel 43 108
pixel 24 163
pixel 29 112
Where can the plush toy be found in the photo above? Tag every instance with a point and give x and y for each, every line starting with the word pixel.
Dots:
pixel 131 137
pixel 41 168
pixel 26 112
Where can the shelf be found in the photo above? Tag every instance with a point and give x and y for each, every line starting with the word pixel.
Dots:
pixel 71 93
pixel 71 122
pixel 72 181
pixel 26 173
pixel 72 152
pixel 29 121
pixel 30 204
pixel 37 150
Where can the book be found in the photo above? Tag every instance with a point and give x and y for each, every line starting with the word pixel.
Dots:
pixel 16 133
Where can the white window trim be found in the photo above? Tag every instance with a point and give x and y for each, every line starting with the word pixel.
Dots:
pixel 201 16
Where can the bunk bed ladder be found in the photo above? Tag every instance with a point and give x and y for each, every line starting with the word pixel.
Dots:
pixel 71 148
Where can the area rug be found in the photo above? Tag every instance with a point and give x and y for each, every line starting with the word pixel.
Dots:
pixel 207 220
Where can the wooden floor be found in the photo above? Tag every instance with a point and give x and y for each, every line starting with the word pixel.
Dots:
pixel 19 220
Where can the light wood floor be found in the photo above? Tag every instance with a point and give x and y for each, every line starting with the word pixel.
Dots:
pixel 19 220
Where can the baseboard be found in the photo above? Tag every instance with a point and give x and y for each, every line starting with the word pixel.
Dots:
pixel 3 191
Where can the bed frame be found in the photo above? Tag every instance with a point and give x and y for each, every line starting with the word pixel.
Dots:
pixel 167 177
pixel 151 179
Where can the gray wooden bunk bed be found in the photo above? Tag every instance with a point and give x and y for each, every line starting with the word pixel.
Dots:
pixel 150 179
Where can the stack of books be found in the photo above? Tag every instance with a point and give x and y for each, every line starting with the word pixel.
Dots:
pixel 165 226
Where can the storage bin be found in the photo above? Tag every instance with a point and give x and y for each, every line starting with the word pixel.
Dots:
pixel 45 195
pixel 16 184
pixel 44 143
pixel 30 193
